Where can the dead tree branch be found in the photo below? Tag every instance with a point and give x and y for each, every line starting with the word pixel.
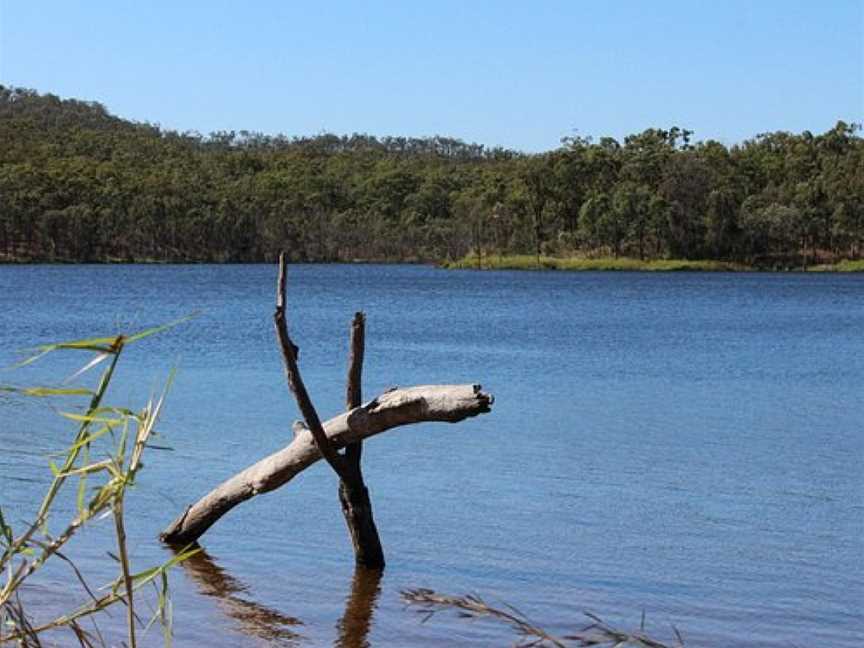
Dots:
pixel 443 403
pixel 446 403
pixel 295 380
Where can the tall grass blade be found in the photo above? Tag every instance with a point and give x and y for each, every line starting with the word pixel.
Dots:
pixel 159 329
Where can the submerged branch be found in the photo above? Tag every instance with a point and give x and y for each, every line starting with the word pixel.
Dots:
pixel 596 633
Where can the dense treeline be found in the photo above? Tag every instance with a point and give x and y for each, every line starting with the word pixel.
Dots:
pixel 77 183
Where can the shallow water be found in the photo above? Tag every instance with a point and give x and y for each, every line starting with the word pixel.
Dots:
pixel 689 445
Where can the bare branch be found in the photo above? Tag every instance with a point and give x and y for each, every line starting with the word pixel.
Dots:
pixel 295 380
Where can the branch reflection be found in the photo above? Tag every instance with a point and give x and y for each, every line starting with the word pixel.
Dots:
pixel 357 620
pixel 252 618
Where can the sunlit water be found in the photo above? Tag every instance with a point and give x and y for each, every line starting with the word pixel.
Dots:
pixel 687 445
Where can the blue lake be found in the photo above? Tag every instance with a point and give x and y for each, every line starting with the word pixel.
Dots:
pixel 687 445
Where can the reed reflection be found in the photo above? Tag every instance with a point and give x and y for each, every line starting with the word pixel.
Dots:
pixel 252 618
pixel 360 606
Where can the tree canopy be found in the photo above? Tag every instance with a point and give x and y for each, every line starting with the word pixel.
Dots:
pixel 80 184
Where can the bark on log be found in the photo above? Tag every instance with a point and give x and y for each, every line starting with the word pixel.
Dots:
pixel 444 403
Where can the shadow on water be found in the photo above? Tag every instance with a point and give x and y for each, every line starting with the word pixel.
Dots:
pixel 252 618
pixel 356 621
pixel 257 620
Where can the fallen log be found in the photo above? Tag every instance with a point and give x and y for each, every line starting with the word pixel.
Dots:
pixel 394 408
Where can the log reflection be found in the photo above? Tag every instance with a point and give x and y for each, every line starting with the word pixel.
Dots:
pixel 357 620
pixel 252 618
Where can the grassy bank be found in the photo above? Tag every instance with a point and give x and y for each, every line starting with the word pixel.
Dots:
pixel 529 262
pixel 842 266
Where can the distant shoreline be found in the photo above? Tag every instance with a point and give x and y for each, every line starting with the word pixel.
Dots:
pixel 81 184
pixel 525 262
pixel 627 264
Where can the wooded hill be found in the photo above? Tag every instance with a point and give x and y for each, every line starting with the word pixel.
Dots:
pixel 80 184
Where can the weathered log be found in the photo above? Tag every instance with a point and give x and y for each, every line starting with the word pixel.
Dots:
pixel 443 403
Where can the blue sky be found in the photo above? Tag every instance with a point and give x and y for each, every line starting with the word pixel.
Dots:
pixel 516 74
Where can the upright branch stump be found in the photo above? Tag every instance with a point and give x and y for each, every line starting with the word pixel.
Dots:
pixel 353 494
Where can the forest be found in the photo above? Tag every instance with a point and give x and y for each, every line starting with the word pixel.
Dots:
pixel 78 184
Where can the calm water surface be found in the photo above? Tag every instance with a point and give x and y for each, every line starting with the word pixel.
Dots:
pixel 689 445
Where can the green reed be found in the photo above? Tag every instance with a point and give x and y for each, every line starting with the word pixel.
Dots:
pixel 100 464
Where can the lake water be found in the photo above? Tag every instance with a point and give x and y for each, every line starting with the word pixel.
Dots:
pixel 687 445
